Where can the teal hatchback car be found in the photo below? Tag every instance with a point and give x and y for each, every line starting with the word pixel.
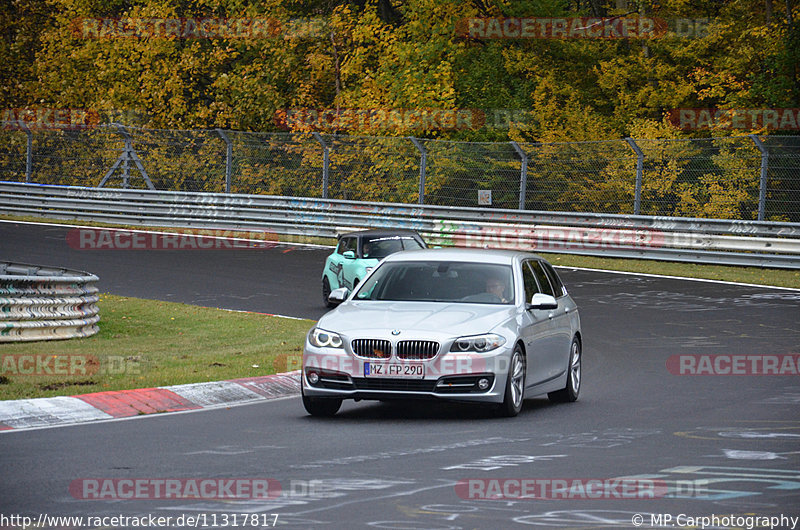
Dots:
pixel 357 253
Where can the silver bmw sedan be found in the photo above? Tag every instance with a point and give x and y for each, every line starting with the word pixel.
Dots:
pixel 481 326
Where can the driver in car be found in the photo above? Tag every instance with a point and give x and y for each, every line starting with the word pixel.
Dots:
pixel 495 286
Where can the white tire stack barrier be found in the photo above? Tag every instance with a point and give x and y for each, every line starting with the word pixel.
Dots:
pixel 41 303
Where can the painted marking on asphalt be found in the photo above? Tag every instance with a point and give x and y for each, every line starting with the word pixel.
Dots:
pixel 582 518
pixel 607 438
pixel 758 434
pixel 738 454
pixel 357 459
pixel 500 461
pixel 123 403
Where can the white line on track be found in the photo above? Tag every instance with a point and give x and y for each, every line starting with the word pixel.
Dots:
pixel 706 280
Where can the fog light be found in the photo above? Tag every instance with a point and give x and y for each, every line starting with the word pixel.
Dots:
pixel 313 378
pixel 483 383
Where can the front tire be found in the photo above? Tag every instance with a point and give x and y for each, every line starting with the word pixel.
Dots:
pixel 321 407
pixel 570 393
pixel 326 292
pixel 515 385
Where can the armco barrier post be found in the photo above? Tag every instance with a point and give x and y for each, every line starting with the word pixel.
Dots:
pixel 762 187
pixel 423 162
pixel 325 163
pixel 637 198
pixel 228 159
pixel 523 174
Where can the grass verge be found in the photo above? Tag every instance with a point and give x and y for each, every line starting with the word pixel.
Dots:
pixel 145 343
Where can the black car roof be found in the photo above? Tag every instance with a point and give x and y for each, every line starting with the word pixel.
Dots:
pixel 382 232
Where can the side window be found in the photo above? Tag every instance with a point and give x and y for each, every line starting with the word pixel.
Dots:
pixel 347 243
pixel 531 288
pixel 558 286
pixel 544 283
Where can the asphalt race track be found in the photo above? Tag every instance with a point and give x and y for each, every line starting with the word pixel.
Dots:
pixel 723 445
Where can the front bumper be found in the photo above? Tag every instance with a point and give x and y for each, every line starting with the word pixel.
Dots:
pixel 448 376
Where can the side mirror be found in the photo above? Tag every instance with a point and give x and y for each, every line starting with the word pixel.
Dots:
pixel 542 301
pixel 339 295
pixel 349 254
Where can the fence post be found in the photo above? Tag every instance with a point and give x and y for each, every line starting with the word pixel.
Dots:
pixel 128 154
pixel 28 152
pixel 523 175
pixel 637 197
pixel 762 187
pixel 325 164
pixel 126 160
pixel 228 158
pixel 423 162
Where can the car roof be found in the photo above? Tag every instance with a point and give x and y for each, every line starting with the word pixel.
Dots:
pixel 382 232
pixel 478 255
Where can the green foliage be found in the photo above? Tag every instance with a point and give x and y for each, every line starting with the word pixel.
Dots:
pixel 410 54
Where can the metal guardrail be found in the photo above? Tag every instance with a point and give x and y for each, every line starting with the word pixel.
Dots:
pixel 728 242
pixel 41 303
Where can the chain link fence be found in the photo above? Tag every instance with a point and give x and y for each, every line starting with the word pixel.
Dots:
pixel 744 177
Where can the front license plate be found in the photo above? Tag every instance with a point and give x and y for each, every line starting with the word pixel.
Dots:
pixel 403 370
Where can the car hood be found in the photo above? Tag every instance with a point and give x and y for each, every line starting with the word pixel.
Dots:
pixel 438 319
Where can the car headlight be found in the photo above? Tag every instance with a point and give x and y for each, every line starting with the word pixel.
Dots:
pixel 324 339
pixel 478 343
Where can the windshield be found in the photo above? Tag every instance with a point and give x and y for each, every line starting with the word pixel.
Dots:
pixel 380 247
pixel 433 281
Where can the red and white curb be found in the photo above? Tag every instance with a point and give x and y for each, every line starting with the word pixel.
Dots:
pixel 63 410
